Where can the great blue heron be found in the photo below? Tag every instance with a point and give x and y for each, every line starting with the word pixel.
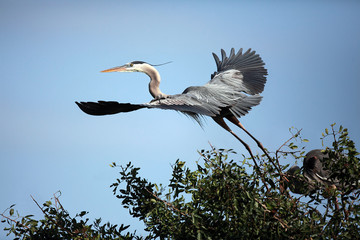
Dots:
pixel 231 93
pixel 313 176
pixel 314 173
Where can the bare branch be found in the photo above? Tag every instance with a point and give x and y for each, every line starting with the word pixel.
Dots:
pixel 14 221
pixel 167 203
pixel 52 220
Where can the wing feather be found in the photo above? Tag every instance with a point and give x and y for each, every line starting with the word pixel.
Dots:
pixel 244 71
pixel 107 107
pixel 217 60
pixel 185 103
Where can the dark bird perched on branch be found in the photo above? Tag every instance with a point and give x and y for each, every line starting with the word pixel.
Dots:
pixel 315 175
pixel 231 93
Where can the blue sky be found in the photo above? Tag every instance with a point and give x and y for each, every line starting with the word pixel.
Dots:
pixel 52 54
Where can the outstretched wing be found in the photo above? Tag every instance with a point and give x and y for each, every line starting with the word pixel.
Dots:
pixel 105 108
pixel 185 103
pixel 236 85
pixel 243 72
pixel 180 102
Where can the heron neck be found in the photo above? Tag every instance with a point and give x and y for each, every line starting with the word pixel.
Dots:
pixel 154 82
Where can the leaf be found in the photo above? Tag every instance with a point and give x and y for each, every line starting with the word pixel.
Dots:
pixel 11 212
pixel 47 204
pixel 181 164
pixel 82 213
pixel 341 128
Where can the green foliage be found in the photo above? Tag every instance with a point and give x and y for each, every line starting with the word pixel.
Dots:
pixel 218 200
pixel 222 198
pixel 58 224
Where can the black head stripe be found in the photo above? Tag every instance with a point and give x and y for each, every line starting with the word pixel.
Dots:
pixel 138 62
pixel 141 62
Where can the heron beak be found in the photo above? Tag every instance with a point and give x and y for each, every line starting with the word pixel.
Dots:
pixel 116 69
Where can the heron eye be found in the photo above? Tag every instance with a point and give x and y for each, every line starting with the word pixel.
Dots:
pixel 131 64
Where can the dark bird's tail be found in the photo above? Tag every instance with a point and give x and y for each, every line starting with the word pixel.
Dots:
pixel 106 108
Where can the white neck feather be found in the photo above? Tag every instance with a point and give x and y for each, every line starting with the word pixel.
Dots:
pixel 154 81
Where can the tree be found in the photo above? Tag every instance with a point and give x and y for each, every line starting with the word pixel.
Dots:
pixel 221 199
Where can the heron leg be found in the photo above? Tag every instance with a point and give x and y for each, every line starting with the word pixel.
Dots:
pixel 220 120
pixel 235 121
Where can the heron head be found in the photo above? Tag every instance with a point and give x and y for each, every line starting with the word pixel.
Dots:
pixel 135 66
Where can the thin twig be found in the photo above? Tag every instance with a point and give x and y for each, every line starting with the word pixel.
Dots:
pixel 282 176
pixel 167 203
pixel 57 201
pixel 293 136
pixel 13 220
pixel 52 220
pixel 282 223
pixel 334 134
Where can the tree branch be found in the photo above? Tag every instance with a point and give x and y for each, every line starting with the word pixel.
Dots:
pixel 167 203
